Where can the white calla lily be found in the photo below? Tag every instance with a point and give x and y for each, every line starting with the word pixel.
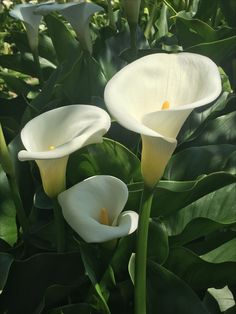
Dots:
pixel 93 208
pixel 78 14
pixel 154 96
pixel 25 13
pixel 51 137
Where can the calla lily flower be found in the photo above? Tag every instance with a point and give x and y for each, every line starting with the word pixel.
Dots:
pixel 51 137
pixel 154 96
pixel 93 208
pixel 78 14
pixel 25 13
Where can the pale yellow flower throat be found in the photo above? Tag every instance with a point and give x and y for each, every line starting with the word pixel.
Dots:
pixel 51 147
pixel 165 105
pixel 104 218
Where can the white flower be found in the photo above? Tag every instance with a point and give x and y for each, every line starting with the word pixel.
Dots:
pixel 154 95
pixel 51 137
pixel 93 208
pixel 25 13
pixel 78 14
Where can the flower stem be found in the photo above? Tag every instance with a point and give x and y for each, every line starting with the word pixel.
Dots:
pixel 141 251
pixel 38 67
pixel 60 226
pixel 111 17
pixel 133 37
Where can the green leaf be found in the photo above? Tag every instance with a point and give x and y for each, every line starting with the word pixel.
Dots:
pixel 215 131
pixel 8 229
pixel 192 32
pixel 223 253
pixel 65 44
pixel 83 80
pixel 204 216
pixel 89 161
pixel 5 263
pixel 190 163
pixel 218 50
pixel 158 246
pixel 171 196
pixel 169 294
pixel 29 279
pixel 198 273
pixel 229 9
pixel 24 63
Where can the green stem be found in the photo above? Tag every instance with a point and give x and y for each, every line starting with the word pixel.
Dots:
pixel 60 226
pixel 20 212
pixel 141 251
pixel 111 17
pixel 38 67
pixel 133 37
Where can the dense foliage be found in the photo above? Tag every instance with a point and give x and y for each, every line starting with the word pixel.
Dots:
pixel 191 247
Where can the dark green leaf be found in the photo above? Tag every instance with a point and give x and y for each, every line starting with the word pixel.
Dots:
pixel 169 294
pixel 89 161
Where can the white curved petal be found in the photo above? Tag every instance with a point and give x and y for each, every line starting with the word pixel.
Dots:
pixel 66 128
pixel 134 96
pixel 186 80
pixel 78 15
pixel 25 13
pixel 82 203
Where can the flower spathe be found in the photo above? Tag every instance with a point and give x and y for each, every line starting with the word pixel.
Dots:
pixel 78 14
pixel 82 205
pixel 51 137
pixel 25 13
pixel 154 95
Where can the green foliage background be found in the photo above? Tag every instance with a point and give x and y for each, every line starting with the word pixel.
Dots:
pixel 192 231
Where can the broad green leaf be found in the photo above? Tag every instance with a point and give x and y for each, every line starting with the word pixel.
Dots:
pixel 5 263
pixel 205 215
pixel 8 229
pixel 224 253
pixel 65 44
pixel 45 47
pixel 29 279
pixel 192 32
pixel 24 63
pixel 83 80
pixel 198 273
pixel 200 116
pixel 98 300
pixel 89 161
pixel 158 246
pixel 190 163
pixel 216 50
pixel 218 131
pixel 169 294
pixel 171 196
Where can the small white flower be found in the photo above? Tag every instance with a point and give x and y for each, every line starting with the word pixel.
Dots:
pixel 154 96
pixel 25 13
pixel 93 208
pixel 51 137
pixel 78 14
